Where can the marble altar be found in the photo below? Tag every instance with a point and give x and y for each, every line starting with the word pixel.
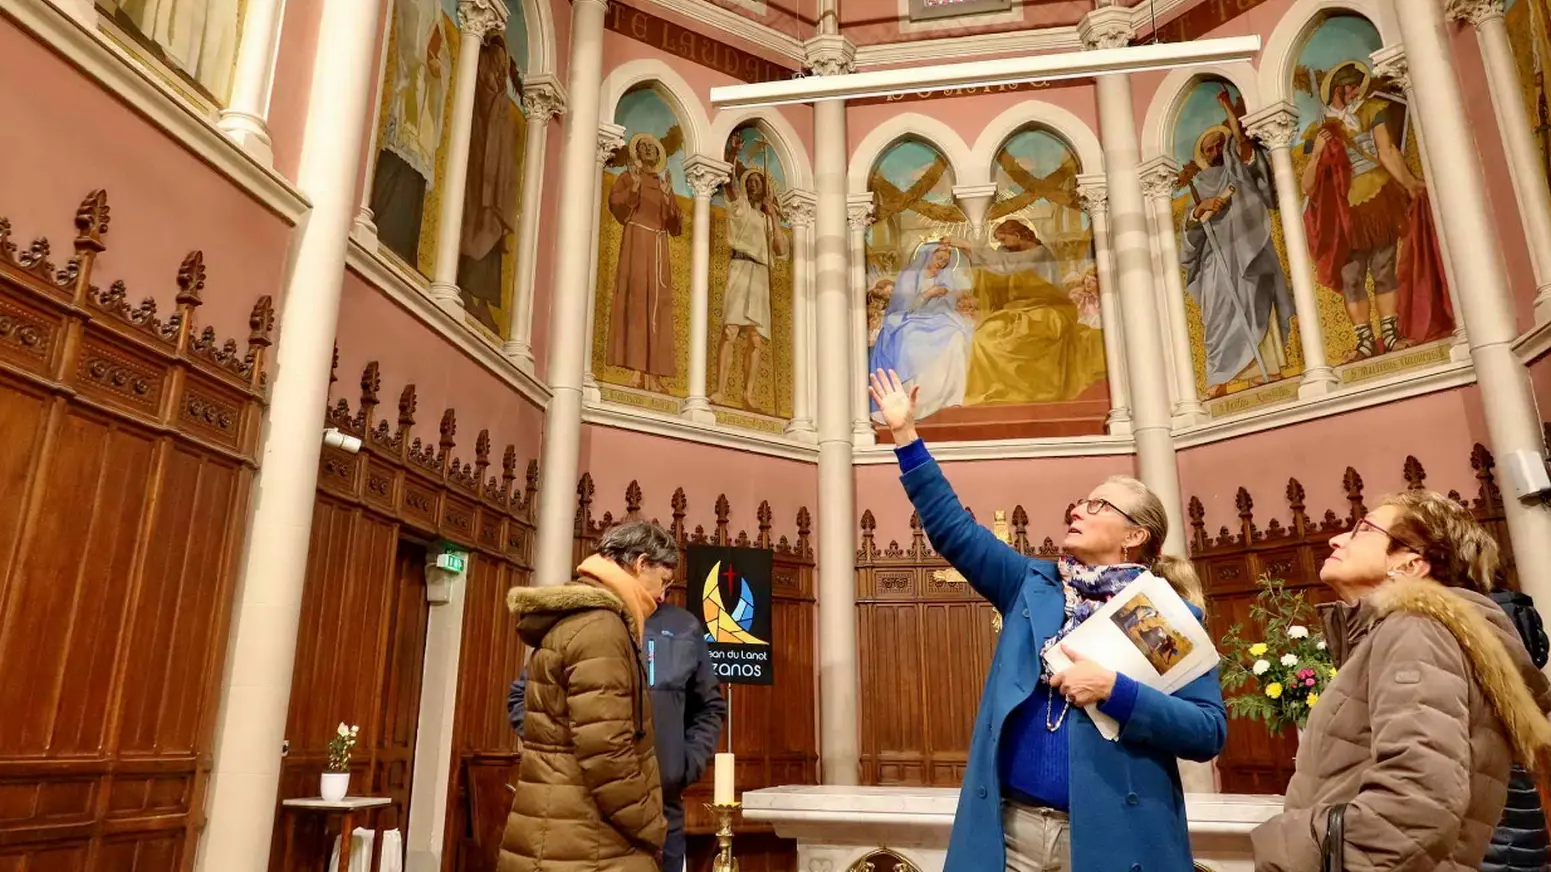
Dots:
pixel 836 826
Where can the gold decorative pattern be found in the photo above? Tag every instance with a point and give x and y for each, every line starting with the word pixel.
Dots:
pixel 208 413
pixel 25 331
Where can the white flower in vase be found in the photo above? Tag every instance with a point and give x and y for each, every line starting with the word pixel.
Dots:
pixel 1260 667
pixel 1298 631
pixel 1289 659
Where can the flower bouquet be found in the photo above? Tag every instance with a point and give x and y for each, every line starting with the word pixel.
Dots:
pixel 1278 677
pixel 336 773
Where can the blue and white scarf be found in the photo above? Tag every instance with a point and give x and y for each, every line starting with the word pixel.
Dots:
pixel 1087 589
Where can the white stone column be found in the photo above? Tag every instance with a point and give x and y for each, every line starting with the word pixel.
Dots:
pixel 476 19
pixel 1511 419
pixel 256 686
pixel 426 833
pixel 1524 166
pixel 611 138
pixel 1110 27
pixel 799 207
pixel 859 212
pixel 560 464
pixel 974 201
pixel 1095 201
pixel 705 175
pixel 1390 62
pixel 542 100
pixel 839 738
pixel 245 120
pixel 1159 178
pixel 1276 127
pixel 364 228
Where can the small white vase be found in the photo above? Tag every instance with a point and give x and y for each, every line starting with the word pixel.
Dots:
pixel 334 786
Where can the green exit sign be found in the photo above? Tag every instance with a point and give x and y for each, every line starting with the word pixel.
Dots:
pixel 451 562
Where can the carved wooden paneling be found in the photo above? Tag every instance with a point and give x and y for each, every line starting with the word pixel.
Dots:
pixel 774 728
pixel 118 540
pixel 361 654
pixel 1230 562
pixel 925 641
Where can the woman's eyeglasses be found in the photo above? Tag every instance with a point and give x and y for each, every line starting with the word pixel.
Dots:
pixel 1365 524
pixel 1093 507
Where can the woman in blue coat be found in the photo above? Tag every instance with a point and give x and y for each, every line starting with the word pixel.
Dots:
pixel 1043 789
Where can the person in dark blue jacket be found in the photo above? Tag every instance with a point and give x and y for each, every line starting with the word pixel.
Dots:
pixel 1043 789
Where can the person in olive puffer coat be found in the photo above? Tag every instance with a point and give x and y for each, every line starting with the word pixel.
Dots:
pixel 589 795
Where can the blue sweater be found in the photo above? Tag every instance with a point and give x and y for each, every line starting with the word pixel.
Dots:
pixel 1032 759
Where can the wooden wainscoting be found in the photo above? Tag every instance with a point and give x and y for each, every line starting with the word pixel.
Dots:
pixel 775 734
pixel 361 651
pixel 127 451
pixel 924 642
pixel 1256 760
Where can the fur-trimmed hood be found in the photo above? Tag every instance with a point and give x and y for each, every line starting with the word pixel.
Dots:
pixel 1518 692
pixel 538 609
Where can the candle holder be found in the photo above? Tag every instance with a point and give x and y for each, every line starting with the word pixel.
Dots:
pixel 724 862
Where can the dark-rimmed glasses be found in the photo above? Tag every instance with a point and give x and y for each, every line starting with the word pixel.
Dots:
pixel 1364 523
pixel 1094 506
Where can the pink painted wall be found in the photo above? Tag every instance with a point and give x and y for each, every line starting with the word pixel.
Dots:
pixel 293 78
pixel 660 464
pixel 878 21
pixel 373 327
pixel 968 116
pixel 787 16
pixel 1044 487
pixel 1438 429
pixel 619 50
pixel 1494 165
pixel 67 137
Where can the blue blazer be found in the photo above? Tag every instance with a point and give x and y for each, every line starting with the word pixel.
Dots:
pixel 1127 806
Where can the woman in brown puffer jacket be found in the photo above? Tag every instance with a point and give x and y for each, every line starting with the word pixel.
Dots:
pixel 1434 699
pixel 589 798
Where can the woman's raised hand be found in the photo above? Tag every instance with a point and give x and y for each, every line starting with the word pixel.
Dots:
pixel 896 403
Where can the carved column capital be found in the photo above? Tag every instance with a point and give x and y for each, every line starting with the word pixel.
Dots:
pixel 800 207
pixel 480 18
pixel 1477 12
pixel 611 138
pixel 1106 27
pixel 1093 191
pixel 859 211
pixel 830 55
pixel 1276 126
pixel 706 174
pixel 1390 63
pixel 1160 178
pixel 543 98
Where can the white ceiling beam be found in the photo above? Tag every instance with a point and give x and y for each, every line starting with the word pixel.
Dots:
pixel 1004 71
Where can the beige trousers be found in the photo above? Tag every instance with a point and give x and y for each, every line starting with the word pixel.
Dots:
pixel 1036 839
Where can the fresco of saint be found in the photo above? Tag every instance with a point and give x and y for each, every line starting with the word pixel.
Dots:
pixel 198 38
pixel 929 326
pixel 491 192
pixel 1366 213
pixel 756 240
pixel 641 329
pixel 1005 314
pixel 414 109
pixel 1232 270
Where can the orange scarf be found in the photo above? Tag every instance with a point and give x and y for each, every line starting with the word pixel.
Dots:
pixel 638 602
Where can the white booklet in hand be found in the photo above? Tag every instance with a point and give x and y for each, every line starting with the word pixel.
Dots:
pixel 1145 632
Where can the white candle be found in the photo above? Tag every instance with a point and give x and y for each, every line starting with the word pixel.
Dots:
pixel 724 780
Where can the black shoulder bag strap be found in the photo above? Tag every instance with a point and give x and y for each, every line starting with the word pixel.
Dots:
pixel 1333 850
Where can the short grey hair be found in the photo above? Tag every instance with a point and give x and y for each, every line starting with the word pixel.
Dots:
pixel 627 542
